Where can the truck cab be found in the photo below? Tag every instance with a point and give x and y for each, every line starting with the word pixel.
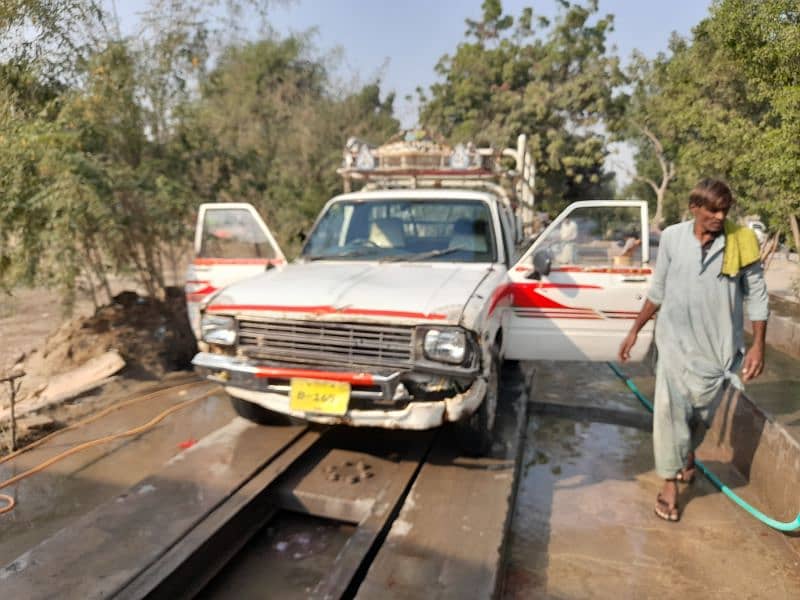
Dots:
pixel 405 300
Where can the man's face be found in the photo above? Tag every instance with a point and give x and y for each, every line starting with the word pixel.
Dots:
pixel 710 218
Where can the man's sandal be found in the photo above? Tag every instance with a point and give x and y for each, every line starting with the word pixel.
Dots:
pixel 664 511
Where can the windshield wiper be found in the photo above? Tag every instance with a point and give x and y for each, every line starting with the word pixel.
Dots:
pixel 348 254
pixel 424 255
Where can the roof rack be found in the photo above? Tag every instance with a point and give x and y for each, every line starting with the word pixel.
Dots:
pixel 414 159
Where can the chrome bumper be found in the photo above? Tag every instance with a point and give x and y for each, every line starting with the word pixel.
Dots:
pixel 229 370
pixel 247 381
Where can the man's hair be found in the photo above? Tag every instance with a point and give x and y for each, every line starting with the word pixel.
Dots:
pixel 713 194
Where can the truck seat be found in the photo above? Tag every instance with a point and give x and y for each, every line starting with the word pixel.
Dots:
pixel 469 235
pixel 387 233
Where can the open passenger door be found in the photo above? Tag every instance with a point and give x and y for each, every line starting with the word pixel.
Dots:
pixel 231 242
pixel 578 288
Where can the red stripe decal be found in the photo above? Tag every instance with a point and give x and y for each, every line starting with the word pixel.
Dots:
pixel 500 294
pixel 581 286
pixel 237 261
pixel 526 294
pixel 597 270
pixel 198 295
pixel 392 313
pixel 606 270
pixel 326 310
pixel 551 317
pixel 280 373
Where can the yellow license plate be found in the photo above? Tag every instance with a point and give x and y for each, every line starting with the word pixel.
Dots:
pixel 314 395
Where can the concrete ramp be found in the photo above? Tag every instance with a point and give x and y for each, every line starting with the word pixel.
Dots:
pixel 757 457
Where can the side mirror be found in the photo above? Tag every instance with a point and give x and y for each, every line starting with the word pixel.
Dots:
pixel 301 236
pixel 542 261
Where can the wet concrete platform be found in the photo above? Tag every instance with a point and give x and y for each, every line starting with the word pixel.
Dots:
pixel 446 541
pixel 105 549
pixel 584 525
pixel 50 500
pixel 449 539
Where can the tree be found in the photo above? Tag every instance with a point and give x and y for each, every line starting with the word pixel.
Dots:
pixel 51 38
pixel 101 171
pixel 726 103
pixel 763 40
pixel 85 189
pixel 645 123
pixel 268 130
pixel 552 81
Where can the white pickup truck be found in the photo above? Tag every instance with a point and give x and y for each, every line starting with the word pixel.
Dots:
pixel 404 302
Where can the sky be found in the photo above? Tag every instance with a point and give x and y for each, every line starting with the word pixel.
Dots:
pixel 400 41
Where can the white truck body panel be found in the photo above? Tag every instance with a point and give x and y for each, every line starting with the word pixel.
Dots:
pixel 407 291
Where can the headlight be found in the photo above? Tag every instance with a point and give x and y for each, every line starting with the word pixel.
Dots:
pixel 445 345
pixel 215 329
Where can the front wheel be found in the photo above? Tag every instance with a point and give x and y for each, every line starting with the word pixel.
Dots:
pixel 475 432
pixel 258 414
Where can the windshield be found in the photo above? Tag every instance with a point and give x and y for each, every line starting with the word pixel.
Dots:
pixel 404 230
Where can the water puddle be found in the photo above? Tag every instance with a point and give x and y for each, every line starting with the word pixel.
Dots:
pixel 584 525
pixel 285 560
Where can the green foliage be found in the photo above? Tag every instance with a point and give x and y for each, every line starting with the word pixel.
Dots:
pixel 552 81
pixel 727 103
pixel 763 40
pixel 50 34
pixel 85 189
pixel 267 130
pixel 103 175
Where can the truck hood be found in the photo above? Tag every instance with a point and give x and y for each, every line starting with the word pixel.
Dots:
pixel 407 291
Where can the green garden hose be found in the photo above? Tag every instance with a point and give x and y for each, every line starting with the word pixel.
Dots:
pixel 779 525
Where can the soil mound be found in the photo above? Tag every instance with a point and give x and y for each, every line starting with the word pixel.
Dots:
pixel 153 336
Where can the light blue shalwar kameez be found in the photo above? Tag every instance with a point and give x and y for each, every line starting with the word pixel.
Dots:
pixel 699 336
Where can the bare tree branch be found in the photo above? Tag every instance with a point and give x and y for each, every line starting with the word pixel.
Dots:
pixel 648 181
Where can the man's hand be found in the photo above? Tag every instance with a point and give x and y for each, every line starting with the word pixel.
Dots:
pixel 625 347
pixel 754 359
pixel 648 310
pixel 753 363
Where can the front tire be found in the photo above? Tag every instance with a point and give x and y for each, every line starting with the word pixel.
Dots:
pixel 475 432
pixel 258 414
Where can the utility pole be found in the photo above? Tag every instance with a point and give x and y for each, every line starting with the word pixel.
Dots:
pixel 11 379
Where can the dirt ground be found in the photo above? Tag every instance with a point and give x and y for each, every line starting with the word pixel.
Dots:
pixel 153 337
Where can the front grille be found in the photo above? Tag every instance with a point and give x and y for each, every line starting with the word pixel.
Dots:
pixel 326 343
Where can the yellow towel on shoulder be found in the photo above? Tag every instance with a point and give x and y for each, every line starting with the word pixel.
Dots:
pixel 741 248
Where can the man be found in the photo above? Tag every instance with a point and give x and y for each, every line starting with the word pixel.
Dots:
pixel 568 233
pixel 707 270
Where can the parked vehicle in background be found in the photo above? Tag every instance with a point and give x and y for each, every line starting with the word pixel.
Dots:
pixel 410 292
pixel 759 229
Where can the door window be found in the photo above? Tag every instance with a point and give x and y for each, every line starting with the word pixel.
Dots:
pixel 595 236
pixel 233 233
